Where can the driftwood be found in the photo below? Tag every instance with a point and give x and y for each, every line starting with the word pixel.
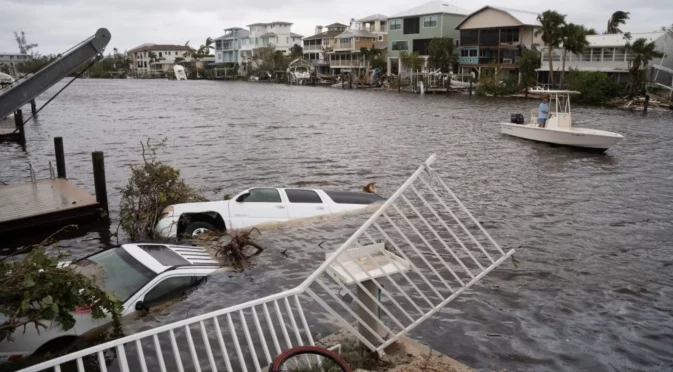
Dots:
pixel 234 249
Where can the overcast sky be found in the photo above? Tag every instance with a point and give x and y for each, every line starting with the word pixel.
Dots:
pixel 57 25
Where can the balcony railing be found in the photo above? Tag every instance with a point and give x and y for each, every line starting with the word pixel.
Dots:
pixel 312 47
pixel 347 63
pixel 423 249
pixel 343 46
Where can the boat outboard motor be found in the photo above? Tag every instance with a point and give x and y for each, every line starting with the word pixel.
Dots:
pixel 517 119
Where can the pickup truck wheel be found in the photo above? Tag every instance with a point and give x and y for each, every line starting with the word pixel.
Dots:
pixel 195 229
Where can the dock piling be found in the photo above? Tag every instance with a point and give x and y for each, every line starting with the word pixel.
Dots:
pixel 98 159
pixel 647 103
pixel 18 122
pixel 33 106
pixel 60 157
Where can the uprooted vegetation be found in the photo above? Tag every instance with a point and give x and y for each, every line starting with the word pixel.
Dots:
pixel 37 290
pixel 232 247
pixel 152 187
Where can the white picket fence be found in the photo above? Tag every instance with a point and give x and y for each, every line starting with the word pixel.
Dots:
pixel 439 251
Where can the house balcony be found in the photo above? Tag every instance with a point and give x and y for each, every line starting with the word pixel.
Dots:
pixel 343 46
pixel 312 48
pixel 347 64
pixel 468 60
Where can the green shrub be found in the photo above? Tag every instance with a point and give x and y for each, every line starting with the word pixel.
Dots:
pixel 595 87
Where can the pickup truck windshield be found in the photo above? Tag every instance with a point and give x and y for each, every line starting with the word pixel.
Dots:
pixel 116 271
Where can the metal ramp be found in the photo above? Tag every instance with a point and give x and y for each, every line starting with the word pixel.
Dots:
pixel 422 248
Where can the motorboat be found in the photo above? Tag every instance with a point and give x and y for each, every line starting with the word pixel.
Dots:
pixel 559 129
pixel 6 82
pixel 179 72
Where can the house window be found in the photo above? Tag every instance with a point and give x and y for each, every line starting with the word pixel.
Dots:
pixel 380 37
pixel 620 54
pixel 412 25
pixel 160 55
pixel 488 37
pixel 469 37
pixel 430 21
pixel 586 55
pixel 464 53
pixel 509 35
pixel 399 45
pixel 383 26
pixel 421 46
pixel 473 52
pixel 395 24
pixel 595 55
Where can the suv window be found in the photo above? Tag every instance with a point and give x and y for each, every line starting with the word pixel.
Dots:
pixel 349 197
pixel 303 196
pixel 262 196
pixel 171 288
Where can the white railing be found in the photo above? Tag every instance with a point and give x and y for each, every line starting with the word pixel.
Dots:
pixel 346 63
pixel 343 46
pixel 433 249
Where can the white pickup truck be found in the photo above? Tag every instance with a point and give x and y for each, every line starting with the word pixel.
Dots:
pixel 256 206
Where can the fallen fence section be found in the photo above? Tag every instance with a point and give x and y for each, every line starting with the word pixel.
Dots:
pixel 419 251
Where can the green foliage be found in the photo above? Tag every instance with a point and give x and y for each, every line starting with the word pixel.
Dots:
pixel 37 289
pixel 296 51
pixel 640 52
pixel 574 41
pixel 528 63
pixel 618 18
pixel 379 62
pixel 552 34
pixel 412 61
pixel 596 87
pixel 269 59
pixel 152 187
pixel 441 54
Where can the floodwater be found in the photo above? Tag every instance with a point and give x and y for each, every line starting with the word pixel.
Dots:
pixel 593 290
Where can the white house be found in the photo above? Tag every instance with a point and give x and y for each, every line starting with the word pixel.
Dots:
pixel 8 62
pixel 278 34
pixel 148 58
pixel 607 53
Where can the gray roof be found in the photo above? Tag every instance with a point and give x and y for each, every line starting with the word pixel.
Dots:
pixel 337 25
pixel 374 17
pixel 241 33
pixel 268 34
pixel 357 33
pixel 432 7
pixel 270 23
pixel 524 17
pixel 296 35
pixel 324 35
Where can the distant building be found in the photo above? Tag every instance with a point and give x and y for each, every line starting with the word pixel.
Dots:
pixel 413 29
pixel 278 34
pixel 233 48
pixel 8 61
pixel 148 58
pixel 323 40
pixel 494 35
pixel 607 53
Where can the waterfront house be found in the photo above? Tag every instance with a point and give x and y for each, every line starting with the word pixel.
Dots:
pixel 154 59
pixel 229 49
pixel 322 41
pixel 368 33
pixel 277 34
pixel 8 62
pixel 607 53
pixel 413 29
pixel 494 36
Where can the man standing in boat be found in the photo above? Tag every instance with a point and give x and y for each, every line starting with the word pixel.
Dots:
pixel 543 112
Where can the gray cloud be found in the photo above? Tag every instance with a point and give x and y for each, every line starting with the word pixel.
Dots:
pixel 56 25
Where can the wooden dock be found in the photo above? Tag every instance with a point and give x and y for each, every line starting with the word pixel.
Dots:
pixel 47 201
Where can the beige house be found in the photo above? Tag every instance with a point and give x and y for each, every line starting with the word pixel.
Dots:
pixel 323 40
pixel 151 59
pixel 495 35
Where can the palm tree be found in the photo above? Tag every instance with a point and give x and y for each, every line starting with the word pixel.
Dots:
pixel 618 18
pixel 153 58
pixel 574 41
pixel 552 34
pixel 640 53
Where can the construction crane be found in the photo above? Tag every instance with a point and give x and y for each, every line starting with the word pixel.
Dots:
pixel 26 90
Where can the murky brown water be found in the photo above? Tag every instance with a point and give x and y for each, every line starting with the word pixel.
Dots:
pixel 593 290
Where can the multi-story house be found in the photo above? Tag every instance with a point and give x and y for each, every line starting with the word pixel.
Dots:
pixel 8 62
pixel 413 29
pixel 494 36
pixel 148 59
pixel 370 33
pixel 278 34
pixel 607 53
pixel 228 47
pixel 316 47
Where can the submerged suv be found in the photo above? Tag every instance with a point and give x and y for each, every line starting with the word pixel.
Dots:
pixel 256 206
pixel 139 275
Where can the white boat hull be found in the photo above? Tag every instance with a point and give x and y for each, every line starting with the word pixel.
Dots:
pixel 576 137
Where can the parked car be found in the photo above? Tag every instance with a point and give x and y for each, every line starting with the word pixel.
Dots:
pixel 255 206
pixel 140 275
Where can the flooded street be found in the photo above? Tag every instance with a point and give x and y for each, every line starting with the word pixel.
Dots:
pixel 593 289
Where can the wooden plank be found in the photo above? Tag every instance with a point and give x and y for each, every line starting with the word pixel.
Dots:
pixel 27 200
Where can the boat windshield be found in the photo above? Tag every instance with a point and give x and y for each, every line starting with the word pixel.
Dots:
pixel 116 271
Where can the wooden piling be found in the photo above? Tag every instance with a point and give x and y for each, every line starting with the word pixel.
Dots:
pixel 60 157
pixel 33 106
pixel 18 122
pixel 98 160
pixel 647 103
